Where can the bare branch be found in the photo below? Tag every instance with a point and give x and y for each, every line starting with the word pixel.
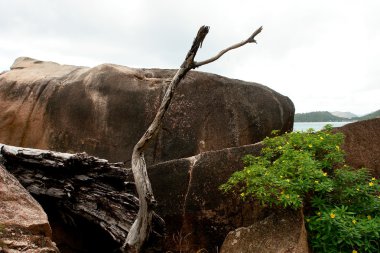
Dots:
pixel 251 39
pixel 141 227
pixel 197 43
pixel 180 74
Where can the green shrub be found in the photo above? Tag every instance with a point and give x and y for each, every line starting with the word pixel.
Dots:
pixel 306 169
pixel 346 218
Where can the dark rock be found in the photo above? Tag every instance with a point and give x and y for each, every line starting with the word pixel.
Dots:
pixel 283 231
pixel 362 144
pixel 24 225
pixel 197 214
pixel 104 110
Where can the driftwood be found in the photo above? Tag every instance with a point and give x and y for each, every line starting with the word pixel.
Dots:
pixel 79 185
pixel 141 228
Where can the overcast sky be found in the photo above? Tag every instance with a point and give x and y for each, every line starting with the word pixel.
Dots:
pixel 324 55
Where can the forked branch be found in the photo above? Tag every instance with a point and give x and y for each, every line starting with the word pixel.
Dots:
pixel 140 229
pixel 251 39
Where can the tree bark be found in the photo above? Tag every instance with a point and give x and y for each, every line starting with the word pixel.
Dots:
pixel 80 186
pixel 141 228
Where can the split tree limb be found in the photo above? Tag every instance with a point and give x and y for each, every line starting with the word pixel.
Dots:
pixel 251 39
pixel 141 228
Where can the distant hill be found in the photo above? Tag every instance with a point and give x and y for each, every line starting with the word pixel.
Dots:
pixel 372 115
pixel 347 115
pixel 325 116
pixel 318 117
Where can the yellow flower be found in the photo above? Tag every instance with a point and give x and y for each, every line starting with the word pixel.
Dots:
pixel 354 222
pixel 325 174
pixel 279 147
pixel 287 196
pixel 332 215
pixel 282 192
pixel 357 189
pixel 370 183
pixel 319 213
pixel 316 181
pixel 310 145
pixel 321 138
pixel 354 251
pixel 337 147
pixel 369 217
pixel 287 180
pixel 373 179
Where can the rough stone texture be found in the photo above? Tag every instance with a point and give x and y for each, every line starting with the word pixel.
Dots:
pixel 282 231
pixel 24 226
pixel 197 214
pixel 105 109
pixel 362 144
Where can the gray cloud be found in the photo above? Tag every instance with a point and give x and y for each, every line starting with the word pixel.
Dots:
pixel 323 54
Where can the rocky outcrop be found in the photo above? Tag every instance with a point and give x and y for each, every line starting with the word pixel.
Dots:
pixel 283 231
pixel 91 193
pixel 24 225
pixel 197 214
pixel 362 144
pixel 104 110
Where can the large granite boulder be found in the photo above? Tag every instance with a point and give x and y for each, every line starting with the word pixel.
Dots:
pixel 197 214
pixel 104 110
pixel 362 144
pixel 24 226
pixel 283 231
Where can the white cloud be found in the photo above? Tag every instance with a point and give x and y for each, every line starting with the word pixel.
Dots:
pixel 323 54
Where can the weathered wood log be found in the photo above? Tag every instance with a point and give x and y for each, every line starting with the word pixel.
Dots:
pixel 80 185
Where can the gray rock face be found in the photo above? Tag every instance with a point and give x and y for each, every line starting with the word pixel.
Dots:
pixel 24 226
pixel 281 232
pixel 104 110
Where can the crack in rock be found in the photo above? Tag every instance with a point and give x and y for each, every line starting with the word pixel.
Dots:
pixel 193 160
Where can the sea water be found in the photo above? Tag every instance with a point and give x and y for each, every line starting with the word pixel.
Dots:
pixel 303 126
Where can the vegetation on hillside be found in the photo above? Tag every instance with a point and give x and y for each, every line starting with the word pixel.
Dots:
pixel 318 117
pixel 307 170
pixel 324 116
pixel 372 115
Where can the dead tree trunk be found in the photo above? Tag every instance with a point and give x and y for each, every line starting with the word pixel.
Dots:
pixel 140 229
